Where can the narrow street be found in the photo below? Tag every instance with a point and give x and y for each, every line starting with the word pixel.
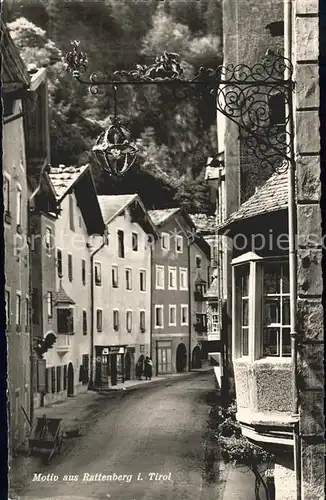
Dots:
pixel 149 432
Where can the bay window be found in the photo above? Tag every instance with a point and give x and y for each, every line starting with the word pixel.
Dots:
pixel 261 307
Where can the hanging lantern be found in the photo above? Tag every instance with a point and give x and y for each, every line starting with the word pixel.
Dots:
pixel 114 150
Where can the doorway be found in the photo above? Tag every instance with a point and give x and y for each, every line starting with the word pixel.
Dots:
pixel 128 366
pixel 70 388
pixel 196 358
pixel 181 361
pixel 114 373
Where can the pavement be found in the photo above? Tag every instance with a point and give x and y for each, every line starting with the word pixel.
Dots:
pixel 132 432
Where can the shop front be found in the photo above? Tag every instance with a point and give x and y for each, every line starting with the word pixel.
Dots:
pixel 109 365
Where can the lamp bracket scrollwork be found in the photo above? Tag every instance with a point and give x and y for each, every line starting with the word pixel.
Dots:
pixel 244 94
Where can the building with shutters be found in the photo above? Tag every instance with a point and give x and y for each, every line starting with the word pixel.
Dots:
pixel 63 244
pixel 122 290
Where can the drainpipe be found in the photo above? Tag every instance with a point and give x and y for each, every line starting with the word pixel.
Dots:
pixel 292 222
pixel 189 308
pixel 105 242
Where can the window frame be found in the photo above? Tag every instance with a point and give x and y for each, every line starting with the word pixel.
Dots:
pixel 121 244
pixel 18 310
pixel 99 324
pixel 135 247
pixel 168 247
pixel 183 270
pixel 142 272
pixel 49 305
pixel 178 237
pixel 256 307
pixel 129 315
pixel 71 209
pixel 6 194
pixel 48 241
pixel 174 308
pixel 128 272
pixel 114 284
pixel 161 308
pixel 70 268
pixel 59 263
pixel 142 327
pixel 159 267
pixel 19 205
pixel 84 316
pixel 98 282
pixel 83 273
pixel 173 270
pixel 186 307
pixel 8 307
pixel 116 325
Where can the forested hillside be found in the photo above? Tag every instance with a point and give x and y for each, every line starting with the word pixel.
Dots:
pixel 174 136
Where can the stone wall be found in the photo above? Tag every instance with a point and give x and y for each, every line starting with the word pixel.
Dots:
pixel 309 287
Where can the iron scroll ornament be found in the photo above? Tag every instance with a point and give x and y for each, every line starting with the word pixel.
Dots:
pixel 243 94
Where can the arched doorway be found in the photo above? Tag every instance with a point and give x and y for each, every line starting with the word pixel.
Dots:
pixel 70 388
pixel 128 366
pixel 196 361
pixel 181 361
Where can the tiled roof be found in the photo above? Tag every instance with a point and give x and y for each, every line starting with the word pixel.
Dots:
pixel 14 71
pixel 63 178
pixel 61 297
pixel 112 205
pixel 204 223
pixel 160 216
pixel 271 197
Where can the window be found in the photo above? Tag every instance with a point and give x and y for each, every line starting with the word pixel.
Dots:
pixel 49 303
pixel 48 240
pixel 116 320
pixel 84 323
pixel 159 277
pixel 165 241
pixel 179 244
pixel 19 206
pixel 70 267
pixel 85 365
pixel 71 213
pixel 172 278
pixel 58 378
pixel 18 310
pixel 134 238
pixel 6 194
pixel 159 316
pixel 172 315
pixel 53 379
pixel 121 244
pixel 128 279
pixel 242 285
pixel 59 263
pixel 142 280
pixel 83 271
pixel 142 321
pixel 198 262
pixel 99 320
pixel 184 314
pixel 215 318
pixel 183 278
pixel 65 321
pixel 98 274
pixel 129 321
pixel 8 305
pixel 276 313
pixel 115 276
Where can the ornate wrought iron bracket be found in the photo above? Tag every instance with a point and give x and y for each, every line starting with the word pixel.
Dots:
pixel 257 98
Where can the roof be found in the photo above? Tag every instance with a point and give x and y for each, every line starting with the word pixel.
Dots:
pixel 63 178
pixel 271 197
pixel 204 223
pixel 112 205
pixel 61 297
pixel 14 71
pixel 159 217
